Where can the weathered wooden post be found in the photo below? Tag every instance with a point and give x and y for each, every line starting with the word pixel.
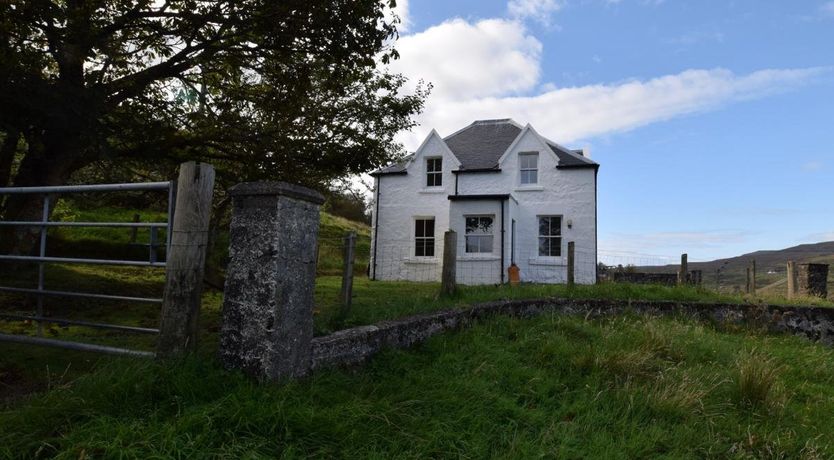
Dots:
pixel 753 276
pixel 185 262
pixel 346 293
pixel 134 230
pixel 571 263
pixel 684 270
pixel 267 328
pixel 791 272
pixel 448 282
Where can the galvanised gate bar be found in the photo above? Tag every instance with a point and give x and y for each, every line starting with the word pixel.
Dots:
pixel 49 194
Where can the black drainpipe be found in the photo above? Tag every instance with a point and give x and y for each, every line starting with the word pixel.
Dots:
pixel 376 222
pixel 501 201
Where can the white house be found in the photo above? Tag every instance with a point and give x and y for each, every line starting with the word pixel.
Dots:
pixel 512 196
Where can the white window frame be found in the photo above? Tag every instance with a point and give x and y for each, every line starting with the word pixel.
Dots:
pixel 424 238
pixel 522 169
pixel 437 174
pixel 550 236
pixel 480 237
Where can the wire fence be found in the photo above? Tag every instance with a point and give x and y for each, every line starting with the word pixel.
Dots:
pixel 479 262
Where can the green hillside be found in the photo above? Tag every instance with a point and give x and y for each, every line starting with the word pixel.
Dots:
pixel 770 268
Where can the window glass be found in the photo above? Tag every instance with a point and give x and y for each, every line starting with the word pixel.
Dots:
pixel 434 172
pixel 529 168
pixel 424 237
pixel 479 234
pixel 550 236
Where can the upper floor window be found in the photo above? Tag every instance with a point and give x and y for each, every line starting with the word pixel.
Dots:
pixel 529 167
pixel 550 236
pixel 479 234
pixel 424 237
pixel 434 172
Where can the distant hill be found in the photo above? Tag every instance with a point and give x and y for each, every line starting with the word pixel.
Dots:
pixel 770 267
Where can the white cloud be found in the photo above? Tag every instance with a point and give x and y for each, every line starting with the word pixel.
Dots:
pixel 492 69
pixel 818 237
pixel 575 113
pixel 401 11
pixel 624 248
pixel 465 60
pixel 812 166
pixel 539 10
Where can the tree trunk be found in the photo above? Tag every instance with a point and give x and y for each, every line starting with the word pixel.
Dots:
pixel 47 162
pixel 7 151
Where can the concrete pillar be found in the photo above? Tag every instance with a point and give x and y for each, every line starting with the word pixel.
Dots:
pixel 812 280
pixel 267 326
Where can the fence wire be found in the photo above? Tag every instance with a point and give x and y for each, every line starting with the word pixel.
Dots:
pixel 405 260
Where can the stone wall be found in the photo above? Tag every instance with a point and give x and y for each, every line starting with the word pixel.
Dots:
pixel 812 280
pixel 668 279
pixel 356 345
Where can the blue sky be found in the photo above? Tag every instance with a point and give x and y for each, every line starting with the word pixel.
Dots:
pixel 713 120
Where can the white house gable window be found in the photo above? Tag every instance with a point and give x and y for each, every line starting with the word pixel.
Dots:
pixel 424 237
pixel 529 167
pixel 434 172
pixel 479 234
pixel 550 236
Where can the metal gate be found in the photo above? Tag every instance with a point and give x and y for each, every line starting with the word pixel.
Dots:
pixel 49 198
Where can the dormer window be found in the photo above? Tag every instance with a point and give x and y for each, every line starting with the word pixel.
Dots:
pixel 434 172
pixel 529 168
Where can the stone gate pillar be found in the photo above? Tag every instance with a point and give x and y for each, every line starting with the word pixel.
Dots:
pixel 267 326
pixel 812 280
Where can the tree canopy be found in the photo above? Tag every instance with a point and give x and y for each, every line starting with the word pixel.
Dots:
pixel 288 89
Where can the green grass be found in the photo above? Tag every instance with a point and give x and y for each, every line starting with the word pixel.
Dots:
pixel 25 370
pixel 554 386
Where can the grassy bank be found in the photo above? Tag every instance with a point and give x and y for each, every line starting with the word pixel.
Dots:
pixel 551 386
pixel 27 369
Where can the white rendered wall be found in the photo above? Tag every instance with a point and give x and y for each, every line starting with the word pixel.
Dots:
pixel 569 193
pixel 403 198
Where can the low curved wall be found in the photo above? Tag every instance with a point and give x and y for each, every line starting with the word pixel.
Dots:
pixel 356 345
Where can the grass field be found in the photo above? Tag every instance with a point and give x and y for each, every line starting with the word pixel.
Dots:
pixel 547 387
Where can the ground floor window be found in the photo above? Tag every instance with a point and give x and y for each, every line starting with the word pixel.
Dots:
pixel 424 237
pixel 550 236
pixel 479 234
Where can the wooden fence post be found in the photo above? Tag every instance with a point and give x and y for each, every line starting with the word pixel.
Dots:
pixel 684 270
pixel 448 284
pixel 753 276
pixel 346 293
pixel 791 272
pixel 185 263
pixel 134 230
pixel 571 263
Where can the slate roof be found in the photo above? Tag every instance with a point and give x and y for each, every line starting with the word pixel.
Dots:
pixel 480 145
pixel 570 158
pixel 396 168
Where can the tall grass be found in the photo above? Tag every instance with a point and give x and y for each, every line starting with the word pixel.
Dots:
pixel 757 379
pixel 507 388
